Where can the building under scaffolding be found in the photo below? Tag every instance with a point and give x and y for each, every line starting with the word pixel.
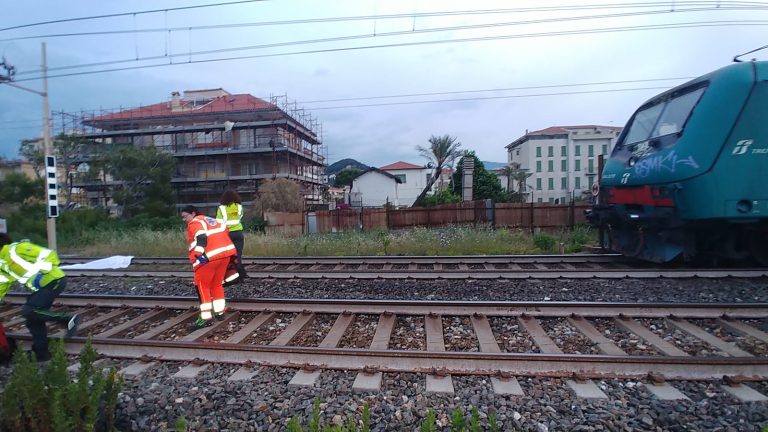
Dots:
pixel 220 141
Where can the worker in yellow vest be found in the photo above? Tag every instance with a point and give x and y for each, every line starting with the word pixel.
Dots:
pixel 37 269
pixel 231 212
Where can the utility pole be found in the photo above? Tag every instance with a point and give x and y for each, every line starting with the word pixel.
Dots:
pixel 52 214
pixel 51 187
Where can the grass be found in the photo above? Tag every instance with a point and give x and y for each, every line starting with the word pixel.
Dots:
pixel 452 240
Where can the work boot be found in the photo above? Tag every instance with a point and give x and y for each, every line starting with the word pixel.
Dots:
pixel 72 325
pixel 199 323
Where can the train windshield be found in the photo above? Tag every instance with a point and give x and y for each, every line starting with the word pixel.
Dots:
pixel 666 117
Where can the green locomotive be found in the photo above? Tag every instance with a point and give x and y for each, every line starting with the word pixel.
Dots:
pixel 688 177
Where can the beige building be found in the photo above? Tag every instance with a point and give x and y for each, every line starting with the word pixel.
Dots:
pixel 562 160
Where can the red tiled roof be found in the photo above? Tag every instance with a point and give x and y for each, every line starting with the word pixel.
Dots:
pixel 554 130
pixel 400 165
pixel 239 102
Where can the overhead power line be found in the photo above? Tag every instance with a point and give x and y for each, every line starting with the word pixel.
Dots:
pixel 402 44
pixel 495 90
pixel 682 7
pixel 93 17
pixel 18 124
pixel 486 98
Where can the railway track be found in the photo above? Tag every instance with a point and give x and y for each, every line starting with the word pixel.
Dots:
pixel 439 267
pixel 502 340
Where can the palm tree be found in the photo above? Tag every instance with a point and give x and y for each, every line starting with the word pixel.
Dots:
pixel 520 176
pixel 442 151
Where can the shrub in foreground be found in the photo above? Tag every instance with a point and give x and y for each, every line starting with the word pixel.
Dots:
pixel 47 399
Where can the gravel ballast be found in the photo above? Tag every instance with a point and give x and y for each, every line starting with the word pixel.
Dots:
pixel 155 400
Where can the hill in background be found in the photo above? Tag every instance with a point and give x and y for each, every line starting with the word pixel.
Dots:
pixel 343 164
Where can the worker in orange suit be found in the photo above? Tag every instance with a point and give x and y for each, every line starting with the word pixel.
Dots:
pixel 210 251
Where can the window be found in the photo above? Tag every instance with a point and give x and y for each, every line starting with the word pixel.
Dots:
pixel 665 117
pixel 577 151
pixel 551 200
pixel 577 182
pixel 538 184
pixel 550 151
pixel 591 151
pixel 538 166
pixel 563 165
pixel 206 169
pixel 577 165
pixel 591 166
pixel 563 151
pixel 400 177
pixel 551 184
pixel 551 166
pixel 428 178
pixel 517 153
pixel 540 200
pixel 538 151
pixel 605 149
pixel 564 183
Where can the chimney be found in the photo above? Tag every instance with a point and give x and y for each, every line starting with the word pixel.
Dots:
pixel 175 101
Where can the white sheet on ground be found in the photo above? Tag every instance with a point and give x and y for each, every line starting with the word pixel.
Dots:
pixel 113 262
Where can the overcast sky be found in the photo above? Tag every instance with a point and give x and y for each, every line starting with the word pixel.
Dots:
pixel 495 68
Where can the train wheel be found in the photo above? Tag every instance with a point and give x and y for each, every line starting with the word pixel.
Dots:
pixel 758 245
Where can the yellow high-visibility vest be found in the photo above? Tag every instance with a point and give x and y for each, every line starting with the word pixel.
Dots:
pixel 232 216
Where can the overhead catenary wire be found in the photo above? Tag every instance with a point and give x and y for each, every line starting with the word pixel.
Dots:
pixel 392 45
pixel 709 7
pixel 114 15
pixel 445 93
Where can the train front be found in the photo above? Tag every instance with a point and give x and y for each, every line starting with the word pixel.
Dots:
pixel 668 187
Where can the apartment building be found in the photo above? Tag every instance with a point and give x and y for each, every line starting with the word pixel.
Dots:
pixel 562 160
pixel 220 141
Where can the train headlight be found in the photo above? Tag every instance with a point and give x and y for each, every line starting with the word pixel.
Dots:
pixel 632 161
pixel 744 206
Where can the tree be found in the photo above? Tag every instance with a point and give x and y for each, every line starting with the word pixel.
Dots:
pixel 31 150
pixel 68 150
pixel 345 176
pixel 519 176
pixel 441 197
pixel 144 174
pixel 485 184
pixel 16 188
pixel 280 195
pixel 441 153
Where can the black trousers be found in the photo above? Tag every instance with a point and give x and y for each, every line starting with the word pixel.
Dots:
pixel 37 312
pixel 238 239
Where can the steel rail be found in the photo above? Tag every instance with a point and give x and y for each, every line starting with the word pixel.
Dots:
pixel 651 273
pixel 435 362
pixel 389 259
pixel 406 307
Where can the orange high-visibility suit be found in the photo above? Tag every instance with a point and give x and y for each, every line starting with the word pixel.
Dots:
pixel 210 250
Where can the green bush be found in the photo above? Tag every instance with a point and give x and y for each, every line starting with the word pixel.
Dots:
pixel 316 425
pixel 544 242
pixel 50 401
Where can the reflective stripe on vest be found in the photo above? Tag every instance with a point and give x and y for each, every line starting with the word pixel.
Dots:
pixel 218 242
pixel 30 269
pixel 232 223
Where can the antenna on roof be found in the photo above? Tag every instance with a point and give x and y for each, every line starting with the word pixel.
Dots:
pixel 736 58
